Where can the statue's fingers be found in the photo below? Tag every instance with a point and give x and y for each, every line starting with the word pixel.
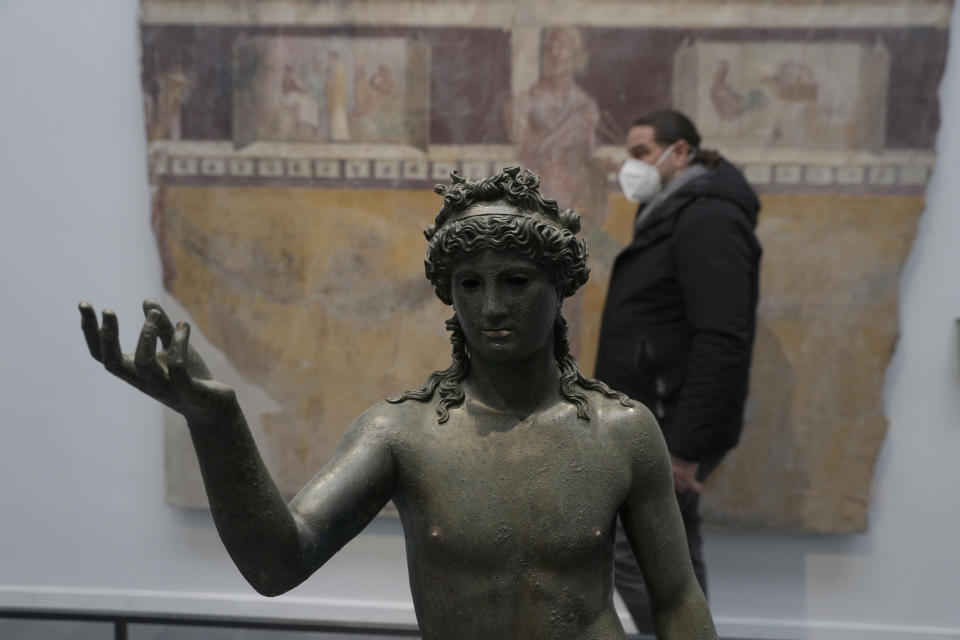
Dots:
pixel 145 357
pixel 177 357
pixel 164 326
pixel 90 328
pixel 110 353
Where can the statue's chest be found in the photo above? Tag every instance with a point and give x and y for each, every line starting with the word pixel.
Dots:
pixel 550 494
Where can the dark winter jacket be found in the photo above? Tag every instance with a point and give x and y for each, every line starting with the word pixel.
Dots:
pixel 678 324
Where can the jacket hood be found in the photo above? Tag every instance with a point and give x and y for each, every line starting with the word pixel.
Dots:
pixel 725 182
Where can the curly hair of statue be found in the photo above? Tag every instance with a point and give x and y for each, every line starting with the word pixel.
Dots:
pixel 542 233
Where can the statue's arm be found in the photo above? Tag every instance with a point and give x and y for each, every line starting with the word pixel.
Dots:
pixel 654 528
pixel 277 546
pixel 274 545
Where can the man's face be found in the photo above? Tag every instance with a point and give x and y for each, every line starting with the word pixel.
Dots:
pixel 507 305
pixel 642 145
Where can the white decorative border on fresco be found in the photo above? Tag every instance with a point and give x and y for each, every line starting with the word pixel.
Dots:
pixel 365 164
pixel 359 170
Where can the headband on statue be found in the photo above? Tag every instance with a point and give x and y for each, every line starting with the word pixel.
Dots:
pixel 494 210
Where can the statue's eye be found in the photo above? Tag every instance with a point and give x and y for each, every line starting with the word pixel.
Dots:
pixel 470 283
pixel 518 280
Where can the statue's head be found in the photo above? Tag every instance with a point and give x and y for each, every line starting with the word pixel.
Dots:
pixel 507 214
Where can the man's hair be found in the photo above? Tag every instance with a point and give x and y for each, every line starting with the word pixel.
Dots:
pixel 670 126
pixel 541 232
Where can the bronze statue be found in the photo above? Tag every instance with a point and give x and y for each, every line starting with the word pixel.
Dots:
pixel 508 468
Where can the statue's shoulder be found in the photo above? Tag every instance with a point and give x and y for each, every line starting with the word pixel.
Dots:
pixel 631 423
pixel 388 419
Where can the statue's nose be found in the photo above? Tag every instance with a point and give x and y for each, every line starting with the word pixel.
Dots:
pixel 493 305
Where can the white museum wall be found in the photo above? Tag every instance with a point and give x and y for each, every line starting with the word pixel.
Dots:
pixel 82 518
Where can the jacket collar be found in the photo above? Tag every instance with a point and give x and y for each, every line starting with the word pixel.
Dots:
pixel 649 209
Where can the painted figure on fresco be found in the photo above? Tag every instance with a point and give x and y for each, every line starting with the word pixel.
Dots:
pixel 336 92
pixel 300 114
pixel 554 126
pixel 163 110
pixel 554 123
pixel 728 101
pixel 379 111
pixel 509 469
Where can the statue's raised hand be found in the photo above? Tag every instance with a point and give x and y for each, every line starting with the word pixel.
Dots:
pixel 175 375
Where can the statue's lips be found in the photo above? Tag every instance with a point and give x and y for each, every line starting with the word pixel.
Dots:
pixel 496 333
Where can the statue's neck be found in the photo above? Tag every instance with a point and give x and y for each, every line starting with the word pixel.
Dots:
pixel 519 388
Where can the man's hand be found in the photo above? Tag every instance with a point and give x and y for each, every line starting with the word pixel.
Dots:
pixel 685 475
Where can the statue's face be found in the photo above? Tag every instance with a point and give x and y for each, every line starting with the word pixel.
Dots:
pixel 507 305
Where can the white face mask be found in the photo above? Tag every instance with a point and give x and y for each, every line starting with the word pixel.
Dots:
pixel 640 180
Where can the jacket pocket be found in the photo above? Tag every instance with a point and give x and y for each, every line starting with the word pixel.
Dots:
pixel 664 363
pixel 649 378
pixel 668 384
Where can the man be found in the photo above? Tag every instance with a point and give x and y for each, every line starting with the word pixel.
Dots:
pixel 678 324
pixel 508 468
